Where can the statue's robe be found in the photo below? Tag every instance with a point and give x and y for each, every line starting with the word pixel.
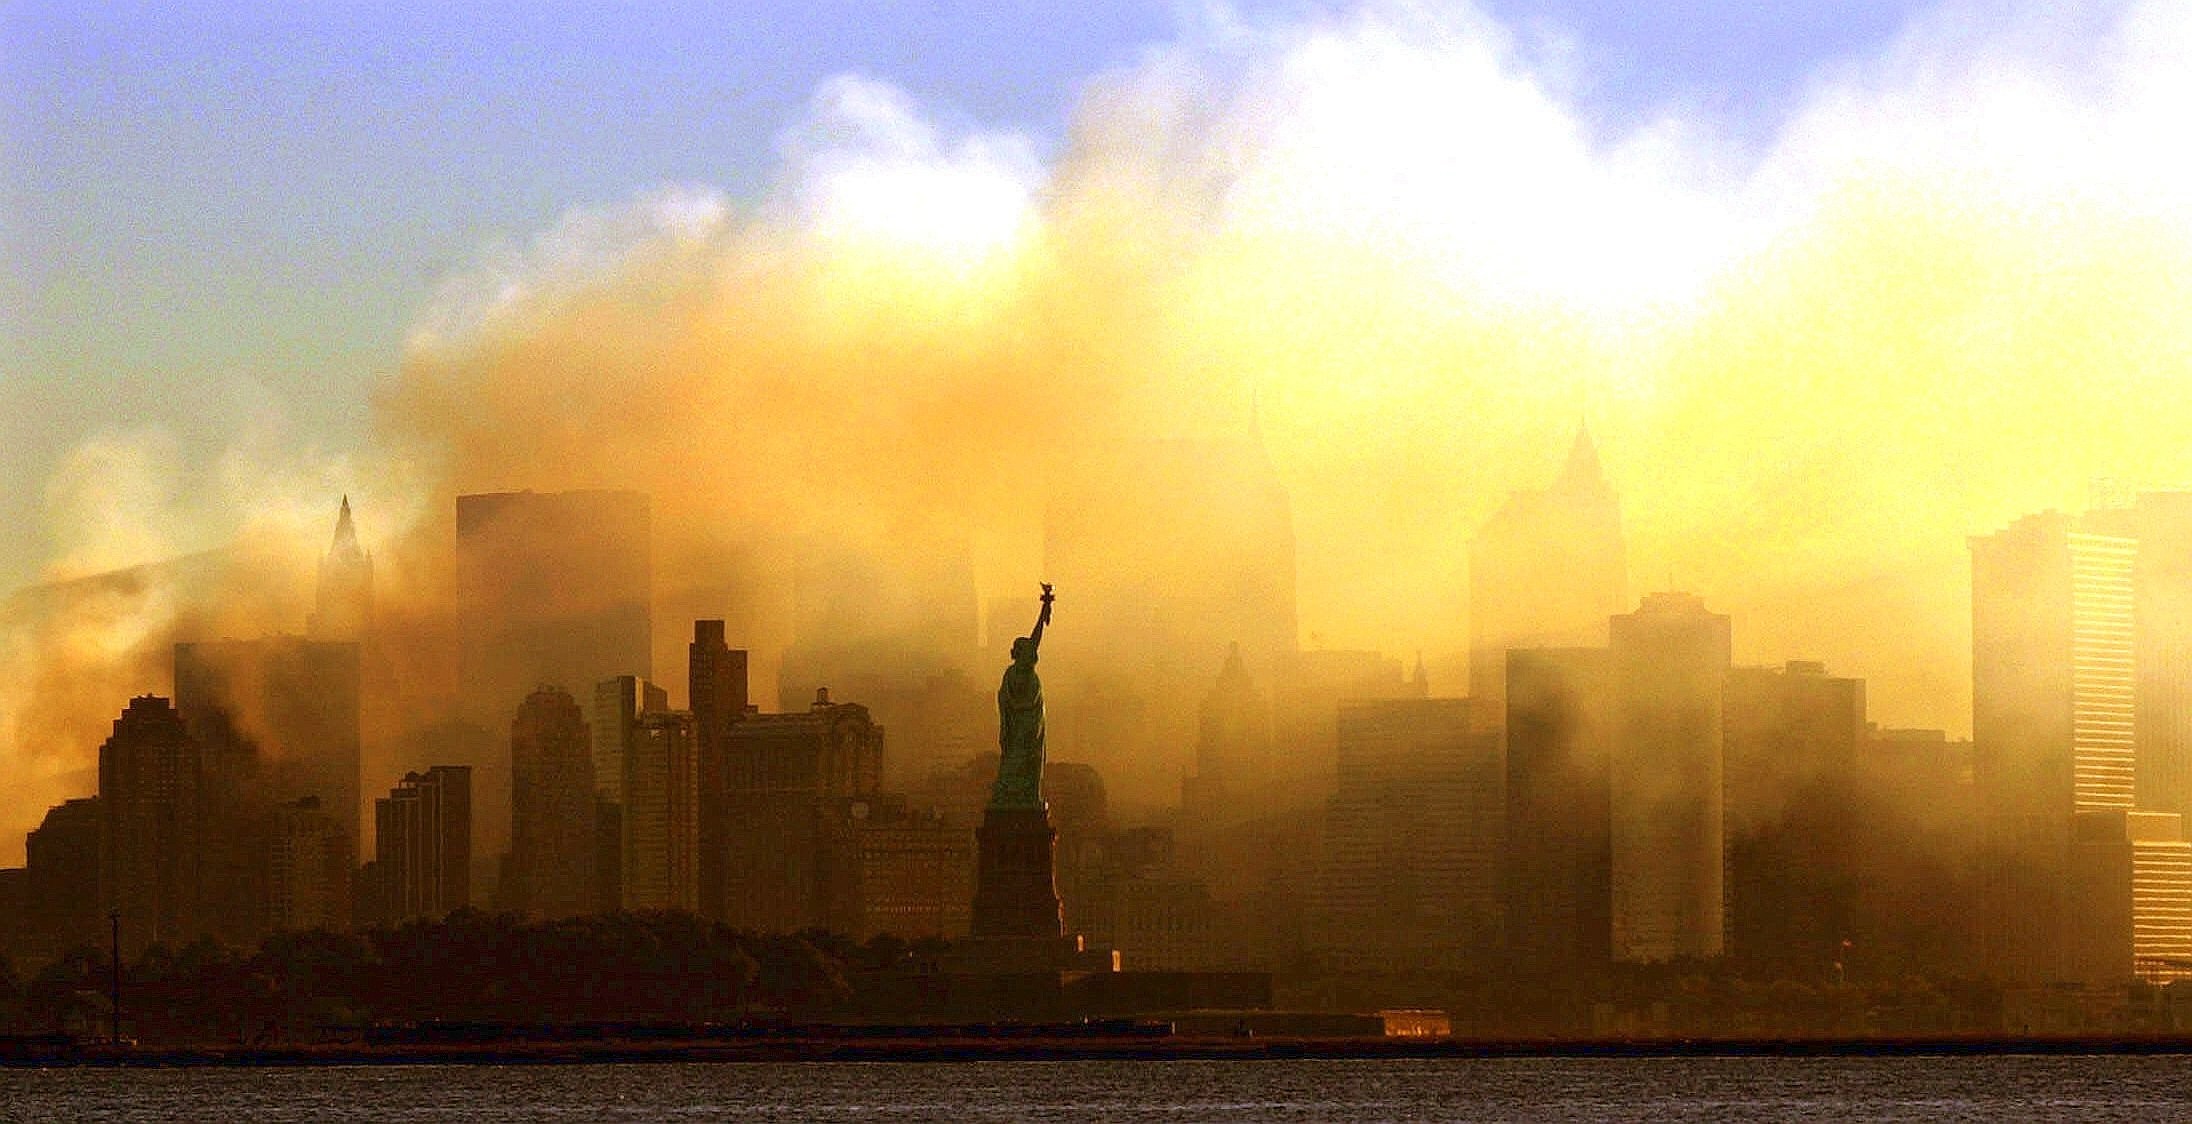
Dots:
pixel 1019 739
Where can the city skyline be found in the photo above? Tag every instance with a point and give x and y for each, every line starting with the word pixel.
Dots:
pixel 1793 409
pixel 1529 515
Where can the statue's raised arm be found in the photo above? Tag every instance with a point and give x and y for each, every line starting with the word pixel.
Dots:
pixel 1020 724
pixel 1043 618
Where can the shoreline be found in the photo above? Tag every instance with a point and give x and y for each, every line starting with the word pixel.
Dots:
pixel 960 1050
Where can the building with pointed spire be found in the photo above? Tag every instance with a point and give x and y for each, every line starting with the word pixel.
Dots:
pixel 1546 571
pixel 343 603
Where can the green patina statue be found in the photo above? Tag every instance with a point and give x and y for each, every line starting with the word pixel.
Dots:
pixel 1020 723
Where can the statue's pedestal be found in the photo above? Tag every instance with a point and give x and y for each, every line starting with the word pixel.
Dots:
pixel 1015 889
pixel 1018 924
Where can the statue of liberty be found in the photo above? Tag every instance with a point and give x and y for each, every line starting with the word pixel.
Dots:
pixel 1020 723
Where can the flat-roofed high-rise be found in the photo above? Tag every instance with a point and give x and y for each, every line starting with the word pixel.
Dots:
pixel 1670 668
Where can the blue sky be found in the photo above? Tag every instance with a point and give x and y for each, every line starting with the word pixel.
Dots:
pixel 217 210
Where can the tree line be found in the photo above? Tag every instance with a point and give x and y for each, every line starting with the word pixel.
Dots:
pixel 631 967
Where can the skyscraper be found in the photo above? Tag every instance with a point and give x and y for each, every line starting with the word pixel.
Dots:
pixel 309 864
pixel 152 834
pixel 1792 741
pixel 2053 668
pixel 792 784
pixel 61 867
pixel 1558 884
pixel 2162 625
pixel 716 681
pixel 1670 665
pixel 660 820
pixel 1413 838
pixel 422 846
pixel 2130 897
pixel 554 848
pixel 343 600
pixel 1232 745
pixel 1546 571
pixel 619 704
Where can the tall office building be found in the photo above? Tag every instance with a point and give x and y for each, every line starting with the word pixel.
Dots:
pixel 1232 746
pixel 1670 666
pixel 2131 897
pixel 309 866
pixel 2053 669
pixel 2053 663
pixel 422 846
pixel 2162 651
pixel 1558 883
pixel 553 587
pixel 792 785
pixel 152 835
pixel 554 845
pixel 618 705
pixel 1792 739
pixel 343 600
pixel 61 867
pixel 1413 836
pixel 1546 571
pixel 660 817
pixel 716 682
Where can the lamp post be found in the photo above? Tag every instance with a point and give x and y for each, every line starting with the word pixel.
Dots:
pixel 114 977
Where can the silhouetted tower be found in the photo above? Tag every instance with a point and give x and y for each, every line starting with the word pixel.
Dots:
pixel 1411 874
pixel 1670 665
pixel 1792 736
pixel 1558 881
pixel 716 682
pixel 422 861
pixel 1233 744
pixel 343 602
pixel 1546 571
pixel 553 842
pixel 2053 699
pixel 151 837
pixel 61 864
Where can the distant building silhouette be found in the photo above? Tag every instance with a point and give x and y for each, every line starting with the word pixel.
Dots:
pixel 2053 696
pixel 151 837
pixel 716 676
pixel 1558 883
pixel 422 846
pixel 310 861
pixel 791 784
pixel 1546 571
pixel 343 600
pixel 614 719
pixel 554 848
pixel 2130 897
pixel 1413 836
pixel 1793 736
pixel 1670 665
pixel 916 871
pixel 661 813
pixel 61 875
